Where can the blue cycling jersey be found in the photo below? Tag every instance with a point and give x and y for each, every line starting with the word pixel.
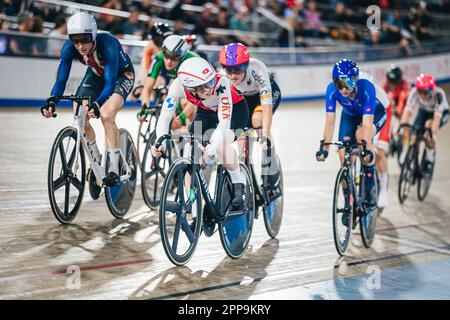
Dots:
pixel 108 60
pixel 364 102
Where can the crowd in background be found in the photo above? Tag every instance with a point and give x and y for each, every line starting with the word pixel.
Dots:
pixel 338 20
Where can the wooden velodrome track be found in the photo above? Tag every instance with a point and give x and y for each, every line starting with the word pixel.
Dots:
pixel 124 259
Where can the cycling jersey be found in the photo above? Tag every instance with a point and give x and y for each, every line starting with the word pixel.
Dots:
pixel 221 102
pixel 370 99
pixel 437 102
pixel 367 99
pixel 158 67
pixel 398 94
pixel 256 81
pixel 107 60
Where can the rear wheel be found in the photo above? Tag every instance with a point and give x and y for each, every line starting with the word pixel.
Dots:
pixel 66 179
pixel 273 211
pixel 424 178
pixel 153 172
pixel 120 197
pixel 235 231
pixel 368 218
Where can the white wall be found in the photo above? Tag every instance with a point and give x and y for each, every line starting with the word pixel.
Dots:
pixel 32 79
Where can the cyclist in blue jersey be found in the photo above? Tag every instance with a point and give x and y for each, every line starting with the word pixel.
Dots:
pixel 363 115
pixel 108 80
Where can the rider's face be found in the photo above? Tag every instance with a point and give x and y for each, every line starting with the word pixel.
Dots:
pixel 235 74
pixel 424 94
pixel 206 94
pixel 170 62
pixel 346 92
pixel 83 44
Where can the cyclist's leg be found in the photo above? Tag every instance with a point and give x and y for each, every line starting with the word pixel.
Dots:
pixel 381 142
pixel 379 121
pixel 91 85
pixel 227 154
pixel 108 112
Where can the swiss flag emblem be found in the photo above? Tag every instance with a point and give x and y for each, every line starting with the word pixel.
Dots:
pixel 205 71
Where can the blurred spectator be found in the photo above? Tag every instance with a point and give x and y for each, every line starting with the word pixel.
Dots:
pixel 53 45
pixel 10 7
pixel 240 21
pixel 206 19
pixel 133 25
pixel 179 28
pixel 144 6
pixel 314 26
pixel 222 18
pixel 44 10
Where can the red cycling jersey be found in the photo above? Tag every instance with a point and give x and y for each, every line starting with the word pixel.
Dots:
pixel 398 95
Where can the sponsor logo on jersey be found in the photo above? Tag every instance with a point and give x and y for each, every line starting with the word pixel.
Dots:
pixel 330 107
pixel 170 102
pixel 225 107
pixel 220 89
pixel 259 79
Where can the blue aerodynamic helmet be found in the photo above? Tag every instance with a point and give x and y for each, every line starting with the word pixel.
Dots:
pixel 345 74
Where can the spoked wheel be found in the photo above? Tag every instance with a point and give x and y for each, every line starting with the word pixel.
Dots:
pixel 153 173
pixel 65 177
pixel 120 197
pixel 145 130
pixel 368 218
pixel 180 212
pixel 273 211
pixel 343 206
pixel 407 172
pixel 235 231
pixel 424 177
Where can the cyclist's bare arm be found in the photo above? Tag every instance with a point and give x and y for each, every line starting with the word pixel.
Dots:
pixel 147 90
pixel 329 128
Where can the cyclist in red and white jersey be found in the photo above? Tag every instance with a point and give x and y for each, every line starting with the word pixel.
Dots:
pixel 220 108
pixel 430 103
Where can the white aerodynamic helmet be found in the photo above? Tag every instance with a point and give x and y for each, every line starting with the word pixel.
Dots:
pixel 82 23
pixel 174 46
pixel 196 72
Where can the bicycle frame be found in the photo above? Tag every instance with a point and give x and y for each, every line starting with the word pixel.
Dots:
pixel 79 124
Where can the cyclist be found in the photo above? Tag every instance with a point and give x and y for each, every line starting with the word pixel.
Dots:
pixel 158 32
pixel 221 108
pixel 363 115
pixel 432 113
pixel 166 64
pixel 109 80
pixel 251 78
pixel 397 90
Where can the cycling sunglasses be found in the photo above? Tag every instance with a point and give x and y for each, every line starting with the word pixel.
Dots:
pixel 235 69
pixel 346 83
pixel 202 88
pixel 425 91
pixel 81 38
pixel 171 56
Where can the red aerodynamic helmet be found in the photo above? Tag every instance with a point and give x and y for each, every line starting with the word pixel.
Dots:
pixel 425 82
pixel 234 54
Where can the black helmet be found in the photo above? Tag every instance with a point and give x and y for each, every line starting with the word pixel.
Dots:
pixel 394 75
pixel 159 31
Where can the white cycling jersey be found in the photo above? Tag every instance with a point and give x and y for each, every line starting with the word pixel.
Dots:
pixel 222 100
pixel 256 81
pixel 438 101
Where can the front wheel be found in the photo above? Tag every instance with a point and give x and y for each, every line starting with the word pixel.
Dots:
pixel 343 206
pixel 66 178
pixel 120 197
pixel 425 177
pixel 235 231
pixel 180 212
pixel 407 173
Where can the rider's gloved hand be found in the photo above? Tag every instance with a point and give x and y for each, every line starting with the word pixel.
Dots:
pixel 143 113
pixel 210 150
pixel 158 152
pixel 321 155
pixel 367 156
pixel 91 112
pixel 49 109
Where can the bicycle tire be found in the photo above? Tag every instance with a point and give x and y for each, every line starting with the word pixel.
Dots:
pixel 273 211
pixel 406 179
pixel 424 183
pixel 65 178
pixel 179 168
